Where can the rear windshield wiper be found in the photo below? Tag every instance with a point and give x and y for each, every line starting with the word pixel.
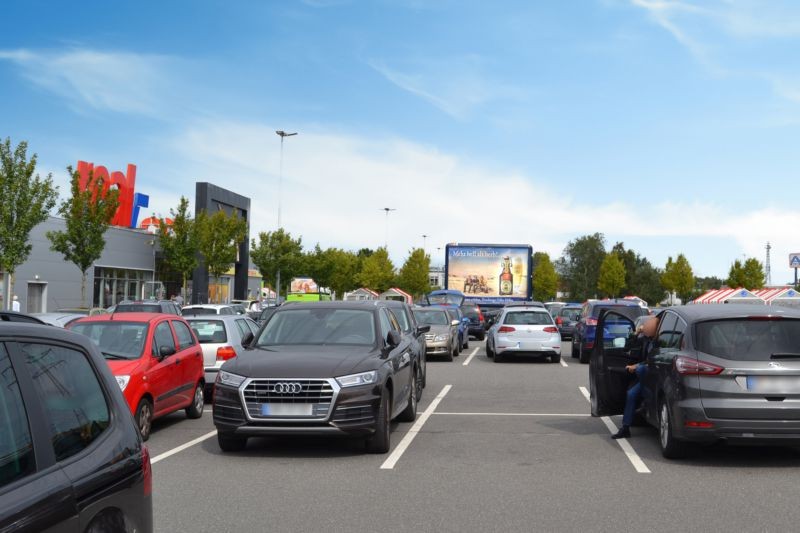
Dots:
pixel 785 355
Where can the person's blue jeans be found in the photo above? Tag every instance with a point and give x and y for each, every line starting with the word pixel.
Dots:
pixel 634 397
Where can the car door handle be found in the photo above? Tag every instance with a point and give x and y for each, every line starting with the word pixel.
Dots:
pixel 177 361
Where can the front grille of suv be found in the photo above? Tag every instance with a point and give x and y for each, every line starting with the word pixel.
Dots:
pixel 317 392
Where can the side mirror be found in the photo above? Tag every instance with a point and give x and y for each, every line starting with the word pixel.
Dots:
pixel 454 322
pixel 393 338
pixel 248 338
pixel 619 342
pixel 166 351
pixel 423 329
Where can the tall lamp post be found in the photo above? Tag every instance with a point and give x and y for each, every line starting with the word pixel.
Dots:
pixel 282 134
pixel 424 241
pixel 386 238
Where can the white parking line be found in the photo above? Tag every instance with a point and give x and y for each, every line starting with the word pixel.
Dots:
pixel 471 356
pixel 397 453
pixel 515 414
pixel 182 447
pixel 563 363
pixel 630 453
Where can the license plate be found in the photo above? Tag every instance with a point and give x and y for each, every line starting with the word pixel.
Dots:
pixel 773 384
pixel 287 409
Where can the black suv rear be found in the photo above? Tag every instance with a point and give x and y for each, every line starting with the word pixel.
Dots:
pixel 477 324
pixel 71 457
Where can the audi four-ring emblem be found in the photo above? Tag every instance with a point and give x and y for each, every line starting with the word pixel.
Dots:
pixel 287 388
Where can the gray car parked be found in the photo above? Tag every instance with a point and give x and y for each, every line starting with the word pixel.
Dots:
pixel 221 338
pixel 716 372
pixel 442 338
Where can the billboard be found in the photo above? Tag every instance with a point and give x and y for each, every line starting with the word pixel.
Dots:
pixel 489 272
pixel 303 286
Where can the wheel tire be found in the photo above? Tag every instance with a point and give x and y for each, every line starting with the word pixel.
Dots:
pixel 409 414
pixel 449 356
pixel 574 351
pixel 380 441
pixel 198 402
pixel 583 357
pixel 497 357
pixel 555 358
pixel 466 342
pixel 482 337
pixel 489 351
pixel 144 418
pixel 671 448
pixel 231 443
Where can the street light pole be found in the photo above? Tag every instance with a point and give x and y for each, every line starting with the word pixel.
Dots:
pixel 386 239
pixel 424 240
pixel 282 134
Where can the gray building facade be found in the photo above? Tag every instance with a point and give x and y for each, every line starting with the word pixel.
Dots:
pixel 45 282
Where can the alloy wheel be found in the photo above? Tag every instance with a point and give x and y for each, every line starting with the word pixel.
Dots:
pixel 663 425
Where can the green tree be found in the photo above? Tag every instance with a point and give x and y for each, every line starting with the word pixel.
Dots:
pixel 611 279
pixel 179 243
pixel 218 238
pixel 345 270
pixel 274 252
pixel 749 274
pixel 413 276
pixel 678 277
pixel 25 202
pixel 579 266
pixel 545 279
pixel 642 279
pixel 377 271
pixel 87 214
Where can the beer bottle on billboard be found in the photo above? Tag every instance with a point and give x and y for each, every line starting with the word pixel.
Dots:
pixel 506 278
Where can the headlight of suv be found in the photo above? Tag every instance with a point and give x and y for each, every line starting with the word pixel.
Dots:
pixel 354 380
pixel 122 381
pixel 231 380
pixel 440 338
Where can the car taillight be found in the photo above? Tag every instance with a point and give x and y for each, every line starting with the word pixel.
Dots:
pixel 551 329
pixel 480 316
pixel 591 321
pixel 225 352
pixel 147 471
pixel 589 345
pixel 559 321
pixel 688 366
pixel 506 329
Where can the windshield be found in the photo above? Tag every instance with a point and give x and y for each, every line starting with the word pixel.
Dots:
pixel 319 327
pixel 528 318
pixel 116 340
pixel 570 313
pixel 431 318
pixel 446 299
pixel 209 331
pixel 754 339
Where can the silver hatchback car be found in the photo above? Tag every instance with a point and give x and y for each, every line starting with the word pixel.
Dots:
pixel 221 338
pixel 715 372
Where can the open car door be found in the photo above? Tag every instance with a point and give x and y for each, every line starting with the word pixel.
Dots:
pixel 615 347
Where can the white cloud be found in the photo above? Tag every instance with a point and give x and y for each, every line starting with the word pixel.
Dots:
pixel 99 80
pixel 455 85
pixel 335 186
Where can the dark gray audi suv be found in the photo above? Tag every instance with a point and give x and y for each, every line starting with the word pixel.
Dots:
pixel 321 368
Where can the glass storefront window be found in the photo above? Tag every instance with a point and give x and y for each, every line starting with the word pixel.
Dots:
pixel 113 285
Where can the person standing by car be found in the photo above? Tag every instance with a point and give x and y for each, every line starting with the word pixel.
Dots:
pixel 646 334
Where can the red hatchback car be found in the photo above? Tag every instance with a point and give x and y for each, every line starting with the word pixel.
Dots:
pixel 156 360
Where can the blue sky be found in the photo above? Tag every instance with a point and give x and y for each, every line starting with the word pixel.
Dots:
pixel 671 126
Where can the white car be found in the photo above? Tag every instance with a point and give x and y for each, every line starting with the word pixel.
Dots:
pixel 524 330
pixel 221 338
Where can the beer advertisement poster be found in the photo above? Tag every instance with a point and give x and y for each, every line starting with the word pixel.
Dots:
pixel 489 272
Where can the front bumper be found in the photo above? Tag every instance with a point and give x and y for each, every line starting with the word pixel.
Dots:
pixel 353 413
pixel 437 347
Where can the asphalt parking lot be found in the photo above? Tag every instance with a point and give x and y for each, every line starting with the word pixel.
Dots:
pixel 506 446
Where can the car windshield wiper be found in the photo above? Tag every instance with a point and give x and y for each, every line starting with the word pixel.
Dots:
pixel 110 355
pixel 785 355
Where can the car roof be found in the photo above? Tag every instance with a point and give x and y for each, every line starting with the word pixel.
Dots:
pixel 206 318
pixel 701 312
pixel 391 303
pixel 206 306
pixel 28 329
pixel 365 304
pixel 126 317
pixel 16 317
pixel 535 308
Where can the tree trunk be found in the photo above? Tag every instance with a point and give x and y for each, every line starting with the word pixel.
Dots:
pixel 83 289
pixel 185 294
